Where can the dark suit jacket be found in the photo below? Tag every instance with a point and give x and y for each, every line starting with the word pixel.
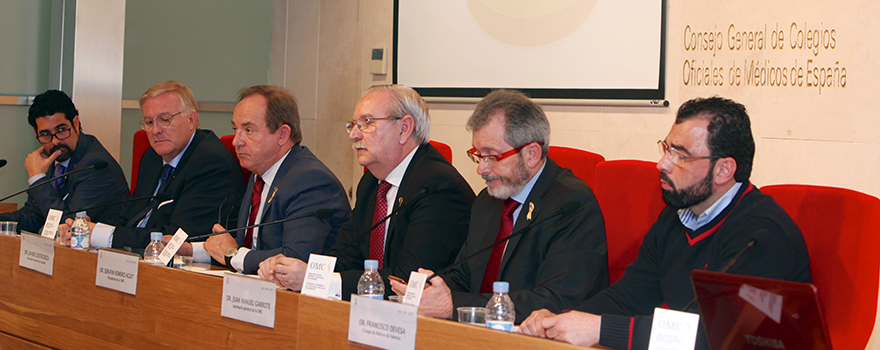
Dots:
pixel 426 234
pixel 206 176
pixel 555 264
pixel 79 191
pixel 302 185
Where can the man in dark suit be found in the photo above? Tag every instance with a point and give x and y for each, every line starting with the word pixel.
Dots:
pixel 65 148
pixel 288 181
pixel 554 264
pixel 390 135
pixel 187 164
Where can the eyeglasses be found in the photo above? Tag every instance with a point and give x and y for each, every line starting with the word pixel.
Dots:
pixel 162 120
pixel 365 124
pixel 61 133
pixel 494 158
pixel 675 156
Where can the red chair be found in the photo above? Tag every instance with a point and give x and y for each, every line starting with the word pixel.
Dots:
pixel 629 195
pixel 227 141
pixel 582 163
pixel 842 231
pixel 444 149
pixel 140 144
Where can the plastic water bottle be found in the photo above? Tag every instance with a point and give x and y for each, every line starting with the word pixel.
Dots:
pixel 500 313
pixel 151 254
pixel 80 232
pixel 371 284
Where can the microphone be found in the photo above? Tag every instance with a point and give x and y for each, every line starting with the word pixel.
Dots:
pixel 320 214
pixel 568 207
pixel 759 235
pixel 161 197
pixel 97 166
pixel 421 194
pixel 2 163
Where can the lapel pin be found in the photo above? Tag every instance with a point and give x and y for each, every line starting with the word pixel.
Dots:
pixel 531 208
pixel 273 195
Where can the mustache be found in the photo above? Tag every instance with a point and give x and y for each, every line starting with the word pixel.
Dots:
pixel 491 178
pixel 665 177
pixel 358 144
pixel 61 147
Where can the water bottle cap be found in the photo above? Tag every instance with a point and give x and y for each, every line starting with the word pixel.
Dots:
pixel 154 236
pixel 500 287
pixel 81 214
pixel 371 264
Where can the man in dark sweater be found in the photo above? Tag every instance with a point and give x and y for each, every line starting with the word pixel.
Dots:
pixel 713 212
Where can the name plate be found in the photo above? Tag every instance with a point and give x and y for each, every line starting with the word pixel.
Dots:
pixel 173 246
pixel 673 330
pixel 319 275
pixel 50 228
pixel 117 271
pixel 248 299
pixel 37 253
pixel 381 323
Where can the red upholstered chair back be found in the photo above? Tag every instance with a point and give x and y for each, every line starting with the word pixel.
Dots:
pixel 227 141
pixel 628 192
pixel 444 149
pixel 842 231
pixel 582 163
pixel 139 145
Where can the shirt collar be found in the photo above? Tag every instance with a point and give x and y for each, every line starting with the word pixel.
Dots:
pixel 691 221
pixel 65 163
pixel 395 177
pixel 176 159
pixel 269 175
pixel 523 194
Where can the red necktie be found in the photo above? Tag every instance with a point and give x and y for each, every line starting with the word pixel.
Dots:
pixel 256 198
pixel 498 251
pixel 377 236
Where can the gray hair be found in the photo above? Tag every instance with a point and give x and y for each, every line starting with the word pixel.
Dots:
pixel 524 120
pixel 407 101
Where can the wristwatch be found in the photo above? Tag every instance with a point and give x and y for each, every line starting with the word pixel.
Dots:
pixel 229 254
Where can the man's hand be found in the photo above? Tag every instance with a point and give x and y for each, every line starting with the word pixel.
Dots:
pixel 186 249
pixel 579 328
pixel 219 244
pixel 63 237
pixel 37 163
pixel 399 288
pixel 436 298
pixel 288 272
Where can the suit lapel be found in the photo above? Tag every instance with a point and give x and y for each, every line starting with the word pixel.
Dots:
pixel 405 193
pixel 535 197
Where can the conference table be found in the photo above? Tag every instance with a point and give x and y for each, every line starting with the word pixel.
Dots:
pixel 181 309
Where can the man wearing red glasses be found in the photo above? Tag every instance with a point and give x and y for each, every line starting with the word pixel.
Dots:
pixel 555 263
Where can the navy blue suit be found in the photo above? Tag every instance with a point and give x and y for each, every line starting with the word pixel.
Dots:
pixel 302 185
pixel 79 191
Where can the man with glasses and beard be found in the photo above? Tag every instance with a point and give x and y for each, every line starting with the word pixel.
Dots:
pixel 65 148
pixel 713 212
pixel 556 263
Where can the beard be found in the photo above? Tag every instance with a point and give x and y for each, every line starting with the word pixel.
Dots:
pixel 66 152
pixel 689 196
pixel 509 185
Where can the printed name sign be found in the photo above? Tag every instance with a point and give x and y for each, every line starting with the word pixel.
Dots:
pixel 248 299
pixel 673 330
pixel 37 253
pixel 117 270
pixel 319 275
pixel 381 323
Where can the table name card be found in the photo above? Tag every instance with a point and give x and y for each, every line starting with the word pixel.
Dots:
pixel 37 253
pixel 381 323
pixel 319 275
pixel 248 299
pixel 117 270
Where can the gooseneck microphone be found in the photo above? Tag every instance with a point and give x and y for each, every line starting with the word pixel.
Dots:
pixel 2 163
pixel 160 197
pixel 421 194
pixel 97 166
pixel 320 214
pixel 759 235
pixel 568 207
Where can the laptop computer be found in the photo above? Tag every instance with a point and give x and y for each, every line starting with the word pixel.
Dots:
pixel 745 312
